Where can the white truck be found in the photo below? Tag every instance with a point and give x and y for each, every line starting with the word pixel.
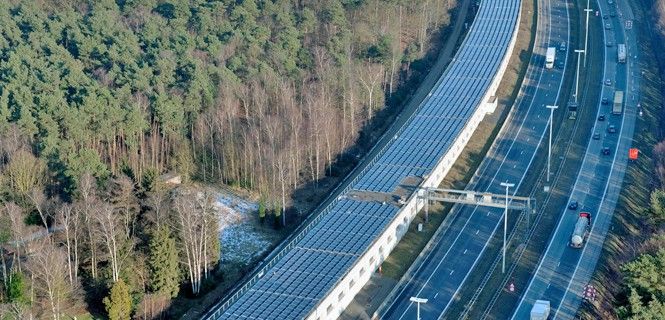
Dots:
pixel 617 106
pixel 549 57
pixel 581 231
pixel 540 310
pixel 621 53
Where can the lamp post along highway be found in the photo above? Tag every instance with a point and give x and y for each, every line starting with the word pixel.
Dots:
pixel 586 34
pixel 577 78
pixel 549 148
pixel 505 225
pixel 418 301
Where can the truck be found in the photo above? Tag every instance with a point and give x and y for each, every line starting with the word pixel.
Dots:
pixel 540 310
pixel 617 107
pixel 621 53
pixel 581 231
pixel 549 57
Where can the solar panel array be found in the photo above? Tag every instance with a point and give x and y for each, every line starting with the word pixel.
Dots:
pixel 445 112
pixel 301 278
pixel 295 285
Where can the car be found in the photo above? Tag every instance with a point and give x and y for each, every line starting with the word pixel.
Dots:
pixel 562 47
pixel 611 129
pixel 605 17
pixel 573 205
pixel 609 43
pixel 560 64
pixel 613 14
pixel 605 101
pixel 610 2
pixel 606 151
pixel 601 117
pixel 608 82
pixel 596 136
pixel 608 26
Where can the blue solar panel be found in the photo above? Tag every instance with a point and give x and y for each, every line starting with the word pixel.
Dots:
pixel 317 263
pixel 297 282
pixel 428 135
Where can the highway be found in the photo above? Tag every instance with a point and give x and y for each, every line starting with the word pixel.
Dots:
pixel 456 251
pixel 564 271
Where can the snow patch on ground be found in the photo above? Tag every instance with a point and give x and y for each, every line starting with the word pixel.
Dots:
pixel 241 238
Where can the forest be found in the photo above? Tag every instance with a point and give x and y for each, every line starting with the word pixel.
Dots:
pixel 100 98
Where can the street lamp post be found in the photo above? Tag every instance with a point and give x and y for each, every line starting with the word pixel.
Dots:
pixel 549 149
pixel 427 205
pixel 505 225
pixel 586 35
pixel 418 301
pixel 577 79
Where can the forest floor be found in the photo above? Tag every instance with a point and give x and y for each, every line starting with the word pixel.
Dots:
pixel 242 237
pixel 631 227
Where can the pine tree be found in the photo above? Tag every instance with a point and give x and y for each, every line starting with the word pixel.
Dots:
pixel 16 289
pixel 163 263
pixel 118 304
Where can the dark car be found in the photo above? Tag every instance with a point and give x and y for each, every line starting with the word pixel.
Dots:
pixel 605 101
pixel 596 136
pixel 606 151
pixel 601 117
pixel 605 17
pixel 611 129
pixel 560 64
pixel 573 205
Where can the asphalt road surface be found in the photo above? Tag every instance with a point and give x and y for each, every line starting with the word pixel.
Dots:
pixel 564 271
pixel 453 257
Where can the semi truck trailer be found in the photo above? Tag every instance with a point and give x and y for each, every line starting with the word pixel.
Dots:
pixel 621 53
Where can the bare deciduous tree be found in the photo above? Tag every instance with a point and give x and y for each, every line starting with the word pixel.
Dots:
pixel 41 204
pixel 86 206
pixel 48 267
pixel 69 219
pixel 108 224
pixel 194 215
pixel 18 230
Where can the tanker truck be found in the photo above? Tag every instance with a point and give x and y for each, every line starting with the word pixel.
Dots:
pixel 581 231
